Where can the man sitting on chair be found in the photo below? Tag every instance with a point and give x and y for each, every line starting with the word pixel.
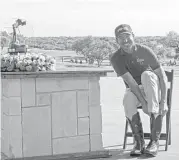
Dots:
pixel 146 86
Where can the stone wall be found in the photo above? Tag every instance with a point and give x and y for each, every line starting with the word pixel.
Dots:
pixel 50 115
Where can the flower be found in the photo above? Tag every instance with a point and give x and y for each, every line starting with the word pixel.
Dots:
pixel 34 56
pixel 28 62
pixel 28 68
pixel 34 62
pixel 22 68
pixel 41 58
pixel 52 60
pixel 7 63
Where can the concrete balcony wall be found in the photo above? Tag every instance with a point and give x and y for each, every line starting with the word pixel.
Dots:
pixel 51 113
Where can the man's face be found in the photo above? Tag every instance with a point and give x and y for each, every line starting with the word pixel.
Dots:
pixel 126 42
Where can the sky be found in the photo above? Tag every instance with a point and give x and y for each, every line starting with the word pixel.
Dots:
pixel 90 17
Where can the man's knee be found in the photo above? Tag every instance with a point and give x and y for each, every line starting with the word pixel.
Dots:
pixel 149 75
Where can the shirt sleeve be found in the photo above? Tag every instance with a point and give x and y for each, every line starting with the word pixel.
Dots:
pixel 152 58
pixel 118 65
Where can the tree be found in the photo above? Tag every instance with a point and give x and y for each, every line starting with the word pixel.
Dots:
pixel 5 39
pixel 170 53
pixel 172 34
pixel 4 42
pixel 4 33
pixel 81 44
pixel 98 50
pixel 172 39
pixel 94 49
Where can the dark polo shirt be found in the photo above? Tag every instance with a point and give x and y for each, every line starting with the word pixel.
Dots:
pixel 142 59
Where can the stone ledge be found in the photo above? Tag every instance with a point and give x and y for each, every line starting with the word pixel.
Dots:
pixel 55 74
pixel 71 156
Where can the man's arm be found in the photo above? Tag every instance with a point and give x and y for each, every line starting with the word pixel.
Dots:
pixel 127 77
pixel 163 83
pixel 159 71
pixel 120 69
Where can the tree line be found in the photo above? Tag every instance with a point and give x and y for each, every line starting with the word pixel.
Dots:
pixel 98 48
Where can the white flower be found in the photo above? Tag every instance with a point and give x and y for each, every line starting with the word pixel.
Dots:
pixel 28 62
pixel 28 68
pixel 41 58
pixel 43 68
pixel 11 67
pixel 52 60
pixel 7 63
pixel 34 62
pixel 22 68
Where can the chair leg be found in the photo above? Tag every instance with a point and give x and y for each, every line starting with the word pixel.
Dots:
pixel 167 130
pixel 125 134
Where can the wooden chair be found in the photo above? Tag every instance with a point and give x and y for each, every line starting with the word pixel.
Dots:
pixel 164 136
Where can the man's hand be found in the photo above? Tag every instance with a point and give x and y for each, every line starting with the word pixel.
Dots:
pixel 127 77
pixel 163 109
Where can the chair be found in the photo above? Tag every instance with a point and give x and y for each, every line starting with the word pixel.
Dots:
pixel 164 136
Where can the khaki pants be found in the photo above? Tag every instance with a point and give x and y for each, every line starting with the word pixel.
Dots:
pixel 151 91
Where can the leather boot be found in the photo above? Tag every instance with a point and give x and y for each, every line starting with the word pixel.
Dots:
pixel 156 127
pixel 137 130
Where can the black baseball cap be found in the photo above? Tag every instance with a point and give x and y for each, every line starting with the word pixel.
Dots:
pixel 123 28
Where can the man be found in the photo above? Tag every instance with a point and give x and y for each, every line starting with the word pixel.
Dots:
pixel 146 85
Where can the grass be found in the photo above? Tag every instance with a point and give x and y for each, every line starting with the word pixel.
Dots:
pixel 54 53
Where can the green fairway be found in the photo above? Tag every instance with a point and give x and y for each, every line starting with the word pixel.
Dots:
pixel 54 53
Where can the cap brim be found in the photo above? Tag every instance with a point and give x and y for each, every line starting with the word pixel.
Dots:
pixel 124 33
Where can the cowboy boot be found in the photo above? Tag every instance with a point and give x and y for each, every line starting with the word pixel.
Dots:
pixel 137 131
pixel 156 127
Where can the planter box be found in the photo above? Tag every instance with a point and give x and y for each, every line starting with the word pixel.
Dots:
pixel 51 113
